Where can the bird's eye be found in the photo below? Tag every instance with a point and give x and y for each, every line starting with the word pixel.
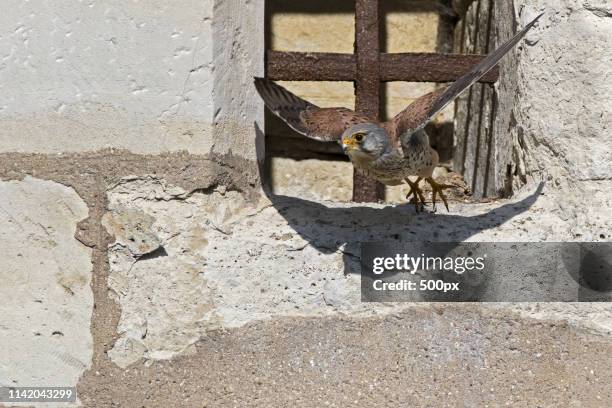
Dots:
pixel 359 137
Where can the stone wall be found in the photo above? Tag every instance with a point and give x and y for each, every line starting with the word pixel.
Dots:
pixel 555 111
pixel 144 264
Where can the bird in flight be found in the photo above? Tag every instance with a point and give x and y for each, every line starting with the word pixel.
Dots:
pixel 390 151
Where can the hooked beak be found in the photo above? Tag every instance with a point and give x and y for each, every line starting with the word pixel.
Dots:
pixel 348 144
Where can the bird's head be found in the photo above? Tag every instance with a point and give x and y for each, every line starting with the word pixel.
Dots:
pixel 365 140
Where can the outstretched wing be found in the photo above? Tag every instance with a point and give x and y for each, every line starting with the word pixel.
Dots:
pixel 421 111
pixel 324 124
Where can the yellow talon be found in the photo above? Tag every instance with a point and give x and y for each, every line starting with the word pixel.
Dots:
pixel 417 192
pixel 437 188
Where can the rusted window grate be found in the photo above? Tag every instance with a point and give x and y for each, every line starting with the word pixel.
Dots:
pixel 367 68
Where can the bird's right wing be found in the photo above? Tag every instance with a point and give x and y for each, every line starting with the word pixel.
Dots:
pixel 323 124
pixel 422 110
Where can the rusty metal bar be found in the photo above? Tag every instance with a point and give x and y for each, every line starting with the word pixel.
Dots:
pixel 367 51
pixel 367 85
pixel 310 66
pixel 410 67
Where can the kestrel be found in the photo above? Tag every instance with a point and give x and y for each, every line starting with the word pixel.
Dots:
pixel 390 151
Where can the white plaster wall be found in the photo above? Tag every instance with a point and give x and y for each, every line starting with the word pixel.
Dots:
pixel 45 274
pixel 85 75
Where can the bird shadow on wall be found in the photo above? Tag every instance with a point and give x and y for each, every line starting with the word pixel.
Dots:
pixel 344 228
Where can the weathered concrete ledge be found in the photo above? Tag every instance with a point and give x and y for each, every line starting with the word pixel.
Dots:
pixel 183 263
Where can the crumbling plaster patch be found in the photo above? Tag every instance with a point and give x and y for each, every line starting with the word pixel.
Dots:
pixel 46 297
pixel 161 234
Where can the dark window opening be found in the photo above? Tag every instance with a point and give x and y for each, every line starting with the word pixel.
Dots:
pixel 330 33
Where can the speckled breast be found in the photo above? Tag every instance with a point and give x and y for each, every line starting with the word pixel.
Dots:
pixel 390 171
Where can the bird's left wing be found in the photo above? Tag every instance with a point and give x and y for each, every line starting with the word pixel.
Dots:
pixel 422 110
pixel 323 124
